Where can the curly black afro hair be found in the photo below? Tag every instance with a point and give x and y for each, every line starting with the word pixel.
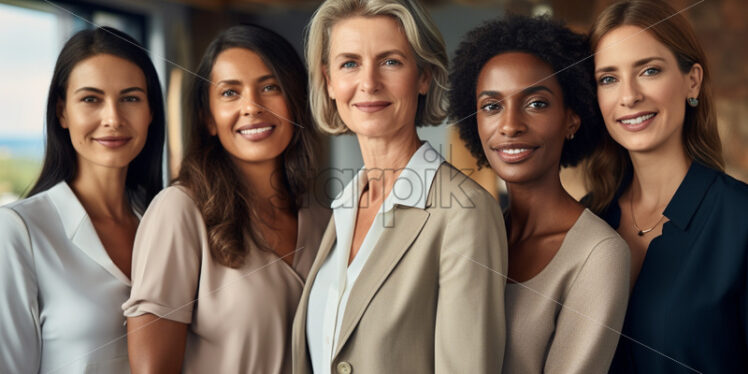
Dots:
pixel 566 52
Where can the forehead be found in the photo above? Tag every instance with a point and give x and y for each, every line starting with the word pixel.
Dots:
pixel 105 71
pixel 627 44
pixel 361 34
pixel 513 71
pixel 239 63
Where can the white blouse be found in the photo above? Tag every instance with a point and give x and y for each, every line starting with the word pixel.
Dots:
pixel 335 279
pixel 60 293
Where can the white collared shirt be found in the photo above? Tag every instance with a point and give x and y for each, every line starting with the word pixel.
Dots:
pixel 60 292
pixel 335 279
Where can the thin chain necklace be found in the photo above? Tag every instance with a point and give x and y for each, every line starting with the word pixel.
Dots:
pixel 640 231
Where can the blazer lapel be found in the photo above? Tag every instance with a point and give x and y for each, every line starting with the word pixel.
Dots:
pixel 392 245
pixel 299 333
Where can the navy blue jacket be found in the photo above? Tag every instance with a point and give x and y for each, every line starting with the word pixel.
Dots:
pixel 688 311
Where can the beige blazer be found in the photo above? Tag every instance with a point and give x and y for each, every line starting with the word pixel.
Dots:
pixel 430 299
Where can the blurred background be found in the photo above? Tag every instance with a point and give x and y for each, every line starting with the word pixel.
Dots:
pixel 176 32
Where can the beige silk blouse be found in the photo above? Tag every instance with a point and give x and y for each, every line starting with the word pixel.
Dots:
pixel 239 319
pixel 566 318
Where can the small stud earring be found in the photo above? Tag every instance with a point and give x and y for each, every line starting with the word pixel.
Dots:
pixel 693 102
pixel 570 137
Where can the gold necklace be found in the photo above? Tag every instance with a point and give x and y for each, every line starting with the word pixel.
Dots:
pixel 639 231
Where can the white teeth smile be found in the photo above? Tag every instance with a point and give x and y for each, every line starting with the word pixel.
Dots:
pixel 256 131
pixel 637 120
pixel 515 151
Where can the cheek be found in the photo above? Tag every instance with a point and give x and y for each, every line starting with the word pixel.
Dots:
pixel 485 129
pixel 606 99
pixel 223 115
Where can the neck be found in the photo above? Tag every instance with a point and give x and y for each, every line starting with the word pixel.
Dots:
pixel 101 191
pixel 654 185
pixel 539 206
pixel 384 159
pixel 264 181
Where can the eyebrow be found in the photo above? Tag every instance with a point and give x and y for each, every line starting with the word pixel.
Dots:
pixel 101 92
pixel 637 63
pixel 232 82
pixel 379 56
pixel 527 91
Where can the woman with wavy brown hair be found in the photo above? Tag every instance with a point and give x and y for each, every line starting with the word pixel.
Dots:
pixel 658 179
pixel 221 256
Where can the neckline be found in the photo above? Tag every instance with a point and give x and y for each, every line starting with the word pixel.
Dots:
pixel 570 233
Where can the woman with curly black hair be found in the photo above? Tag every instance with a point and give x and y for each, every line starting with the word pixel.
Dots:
pixel 533 91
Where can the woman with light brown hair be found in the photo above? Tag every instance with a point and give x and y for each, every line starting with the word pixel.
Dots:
pixel 221 256
pixel 658 179
pixel 408 278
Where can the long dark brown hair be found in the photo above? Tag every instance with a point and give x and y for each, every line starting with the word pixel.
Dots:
pixel 610 163
pixel 207 171
pixel 144 174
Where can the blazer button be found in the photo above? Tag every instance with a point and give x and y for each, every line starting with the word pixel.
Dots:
pixel 344 368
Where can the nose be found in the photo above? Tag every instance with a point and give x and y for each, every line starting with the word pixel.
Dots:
pixel 630 93
pixel 251 105
pixel 110 116
pixel 370 79
pixel 511 123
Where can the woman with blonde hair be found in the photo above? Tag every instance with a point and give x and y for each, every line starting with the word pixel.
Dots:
pixel 658 179
pixel 409 275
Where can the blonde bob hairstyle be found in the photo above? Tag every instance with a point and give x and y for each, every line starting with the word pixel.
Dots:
pixel 423 36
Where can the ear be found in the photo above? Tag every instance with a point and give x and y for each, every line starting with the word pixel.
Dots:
pixel 61 114
pixel 572 122
pixel 326 75
pixel 694 79
pixel 424 81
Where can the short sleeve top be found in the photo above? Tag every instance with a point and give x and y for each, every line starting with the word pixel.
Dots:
pixel 239 319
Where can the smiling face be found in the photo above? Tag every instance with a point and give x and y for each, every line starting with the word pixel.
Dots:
pixel 249 112
pixel 641 90
pixel 106 111
pixel 522 120
pixel 373 76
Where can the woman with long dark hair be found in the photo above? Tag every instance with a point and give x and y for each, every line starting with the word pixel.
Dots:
pixel 658 179
pixel 66 249
pixel 221 256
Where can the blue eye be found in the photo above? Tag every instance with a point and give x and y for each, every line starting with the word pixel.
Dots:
pixel 229 93
pixel 538 104
pixel 651 71
pixel 607 79
pixel 392 62
pixel 348 65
